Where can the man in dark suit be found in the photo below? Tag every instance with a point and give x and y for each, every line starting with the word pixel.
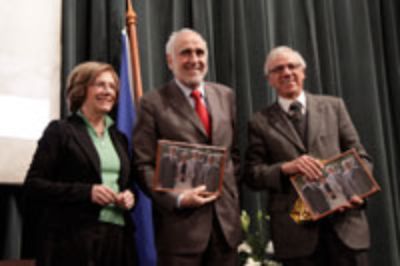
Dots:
pixel 195 166
pixel 191 228
pixel 168 168
pixel 355 177
pixel 182 177
pixel 290 137
pixel 210 174
pixel 315 197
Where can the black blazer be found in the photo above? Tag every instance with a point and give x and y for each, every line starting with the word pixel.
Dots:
pixel 65 166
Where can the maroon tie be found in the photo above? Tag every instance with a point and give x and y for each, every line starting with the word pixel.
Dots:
pixel 201 111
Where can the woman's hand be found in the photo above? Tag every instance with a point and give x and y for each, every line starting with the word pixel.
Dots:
pixel 125 199
pixel 103 195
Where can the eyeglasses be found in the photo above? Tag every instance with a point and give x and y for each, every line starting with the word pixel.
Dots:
pixel 281 68
pixel 104 85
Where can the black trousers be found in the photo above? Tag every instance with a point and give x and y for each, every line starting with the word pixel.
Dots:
pixel 331 252
pixel 98 245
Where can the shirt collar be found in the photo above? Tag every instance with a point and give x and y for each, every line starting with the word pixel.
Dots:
pixel 108 121
pixel 285 103
pixel 187 91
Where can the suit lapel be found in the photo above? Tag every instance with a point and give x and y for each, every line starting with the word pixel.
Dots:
pixel 213 108
pixel 315 116
pixel 179 102
pixel 281 123
pixel 82 137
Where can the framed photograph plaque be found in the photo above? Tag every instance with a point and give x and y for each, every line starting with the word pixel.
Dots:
pixel 344 176
pixel 181 166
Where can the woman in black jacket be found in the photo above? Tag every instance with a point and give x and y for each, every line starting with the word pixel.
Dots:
pixel 80 178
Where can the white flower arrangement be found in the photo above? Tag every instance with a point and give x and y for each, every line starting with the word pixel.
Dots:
pixel 256 250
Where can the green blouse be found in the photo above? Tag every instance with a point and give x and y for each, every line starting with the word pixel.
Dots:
pixel 109 166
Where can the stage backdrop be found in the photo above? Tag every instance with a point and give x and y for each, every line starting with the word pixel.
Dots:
pixel 352 49
pixel 30 53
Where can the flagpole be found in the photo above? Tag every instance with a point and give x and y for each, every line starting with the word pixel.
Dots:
pixel 131 22
pixel 142 214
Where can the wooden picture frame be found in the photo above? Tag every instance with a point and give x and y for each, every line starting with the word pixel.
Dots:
pixel 344 176
pixel 181 166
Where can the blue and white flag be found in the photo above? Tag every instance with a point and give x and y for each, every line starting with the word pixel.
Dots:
pixel 126 117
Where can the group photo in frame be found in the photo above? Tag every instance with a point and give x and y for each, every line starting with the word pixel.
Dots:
pixel 181 166
pixel 344 176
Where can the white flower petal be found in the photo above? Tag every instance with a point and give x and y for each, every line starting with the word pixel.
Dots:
pixel 244 247
pixel 251 262
pixel 269 249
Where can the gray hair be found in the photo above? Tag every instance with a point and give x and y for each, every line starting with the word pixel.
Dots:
pixel 280 50
pixel 172 38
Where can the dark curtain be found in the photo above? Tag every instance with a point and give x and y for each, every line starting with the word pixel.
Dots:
pixel 10 221
pixel 352 51
pixel 351 48
pixel 90 31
